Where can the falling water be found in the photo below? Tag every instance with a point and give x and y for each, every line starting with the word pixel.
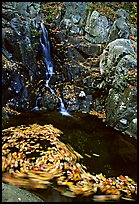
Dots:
pixel 62 108
pixel 47 58
pixel 49 67
pixel 36 108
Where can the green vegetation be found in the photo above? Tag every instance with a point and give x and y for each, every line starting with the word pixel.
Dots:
pixel 51 10
pixel 34 33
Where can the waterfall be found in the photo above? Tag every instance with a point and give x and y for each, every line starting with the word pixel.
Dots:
pixel 36 108
pixel 49 67
pixel 62 108
pixel 47 58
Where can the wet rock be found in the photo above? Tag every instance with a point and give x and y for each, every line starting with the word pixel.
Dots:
pixel 76 18
pixel 123 121
pixel 85 104
pixel 7 54
pixel 48 101
pixel 9 13
pixel 20 45
pixel 15 89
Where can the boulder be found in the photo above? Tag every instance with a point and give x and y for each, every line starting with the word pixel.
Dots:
pixel 97 28
pixel 121 108
pixel 119 29
pixel 89 49
pixel 114 52
pixel 74 18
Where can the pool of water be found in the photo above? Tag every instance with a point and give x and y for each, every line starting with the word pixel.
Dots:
pixel 104 149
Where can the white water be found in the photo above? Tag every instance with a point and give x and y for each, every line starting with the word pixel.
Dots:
pixel 62 108
pixel 36 108
pixel 49 68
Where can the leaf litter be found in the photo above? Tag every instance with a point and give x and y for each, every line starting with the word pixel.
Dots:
pixel 34 157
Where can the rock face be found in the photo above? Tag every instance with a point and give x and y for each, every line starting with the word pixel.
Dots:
pixel 21 50
pixel 90 53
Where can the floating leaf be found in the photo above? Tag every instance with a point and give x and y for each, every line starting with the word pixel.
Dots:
pixel 87 155
pixel 103 198
pixel 96 155
pixel 68 194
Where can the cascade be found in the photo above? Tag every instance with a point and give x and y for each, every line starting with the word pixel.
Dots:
pixel 36 108
pixel 49 67
pixel 62 108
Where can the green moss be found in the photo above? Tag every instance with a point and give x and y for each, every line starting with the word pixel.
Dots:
pixel 34 33
pixel 126 94
pixel 51 10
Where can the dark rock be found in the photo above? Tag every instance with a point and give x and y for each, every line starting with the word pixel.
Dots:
pixel 49 101
pixel 73 54
pixel 89 49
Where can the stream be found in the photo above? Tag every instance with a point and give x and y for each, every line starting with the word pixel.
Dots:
pixel 104 149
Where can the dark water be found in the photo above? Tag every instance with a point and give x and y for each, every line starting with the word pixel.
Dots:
pixel 88 135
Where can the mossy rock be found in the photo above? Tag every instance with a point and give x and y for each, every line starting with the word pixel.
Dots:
pixel 5 118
